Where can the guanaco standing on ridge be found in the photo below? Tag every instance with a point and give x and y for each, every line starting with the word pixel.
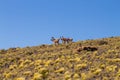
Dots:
pixel 66 40
pixel 55 41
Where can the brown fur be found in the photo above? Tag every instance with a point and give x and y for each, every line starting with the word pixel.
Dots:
pixel 90 48
pixel 66 40
pixel 87 48
pixel 56 41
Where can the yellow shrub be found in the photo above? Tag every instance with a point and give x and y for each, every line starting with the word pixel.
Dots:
pixel 57 60
pixel 38 67
pixel 81 66
pixel 67 75
pixel 21 78
pixel 110 51
pixel 48 62
pixel 105 78
pixel 31 64
pixel 83 76
pixel 12 67
pixel 37 76
pixel 71 60
pixel 67 72
pixel 116 60
pixel 102 66
pixel 38 62
pixel 77 59
pixel 76 75
pixel 8 75
pixel 21 65
pixel 61 70
pixel 111 68
pixel 43 70
pixel 113 60
pixel 27 61
pixel 118 73
pixel 97 71
pixel 69 79
pixel 27 73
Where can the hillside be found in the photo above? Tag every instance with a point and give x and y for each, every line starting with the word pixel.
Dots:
pixel 63 62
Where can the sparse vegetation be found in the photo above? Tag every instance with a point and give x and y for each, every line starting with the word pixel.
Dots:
pixel 62 62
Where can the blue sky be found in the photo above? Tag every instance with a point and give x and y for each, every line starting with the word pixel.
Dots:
pixel 33 22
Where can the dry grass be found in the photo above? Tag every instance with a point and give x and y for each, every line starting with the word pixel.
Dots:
pixel 62 62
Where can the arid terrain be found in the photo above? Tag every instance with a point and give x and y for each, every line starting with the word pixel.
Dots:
pixel 63 61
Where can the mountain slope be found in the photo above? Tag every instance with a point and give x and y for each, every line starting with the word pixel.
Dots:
pixel 63 62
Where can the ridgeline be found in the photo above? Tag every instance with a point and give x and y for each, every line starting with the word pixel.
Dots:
pixel 63 61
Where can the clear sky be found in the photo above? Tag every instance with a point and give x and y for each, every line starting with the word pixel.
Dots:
pixel 33 22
